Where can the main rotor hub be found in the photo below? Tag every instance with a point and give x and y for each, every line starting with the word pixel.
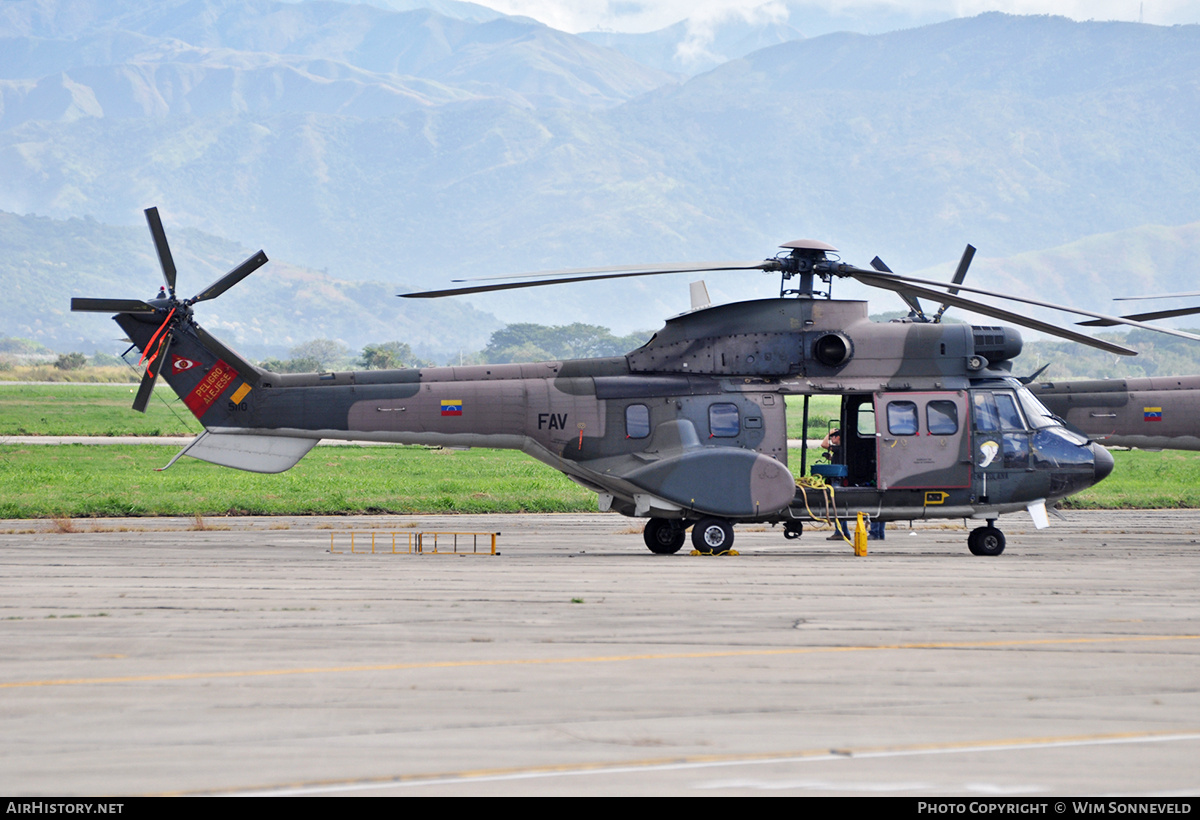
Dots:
pixel 808 259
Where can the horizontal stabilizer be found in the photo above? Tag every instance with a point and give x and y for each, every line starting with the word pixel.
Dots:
pixel 255 454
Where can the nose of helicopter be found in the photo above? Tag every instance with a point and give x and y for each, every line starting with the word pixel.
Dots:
pixel 1103 461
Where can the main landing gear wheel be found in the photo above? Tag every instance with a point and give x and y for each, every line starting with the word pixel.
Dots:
pixel 793 530
pixel 664 536
pixel 712 536
pixel 986 541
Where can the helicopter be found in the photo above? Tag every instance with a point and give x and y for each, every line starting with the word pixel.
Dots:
pixel 1149 412
pixel 689 430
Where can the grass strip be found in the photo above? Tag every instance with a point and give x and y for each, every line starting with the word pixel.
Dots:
pixel 76 480
pixel 90 410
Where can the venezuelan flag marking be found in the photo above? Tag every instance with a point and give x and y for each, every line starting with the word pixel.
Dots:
pixel 1152 413
pixel 451 407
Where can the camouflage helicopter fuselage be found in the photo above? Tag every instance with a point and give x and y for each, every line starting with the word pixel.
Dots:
pixel 1151 413
pixel 691 426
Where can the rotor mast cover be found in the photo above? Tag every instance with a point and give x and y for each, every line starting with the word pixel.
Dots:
pixel 809 245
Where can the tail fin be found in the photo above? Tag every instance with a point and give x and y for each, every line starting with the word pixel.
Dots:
pixel 212 379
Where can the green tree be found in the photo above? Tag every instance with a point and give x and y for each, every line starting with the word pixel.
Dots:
pixel 387 356
pixel 302 364
pixel 101 359
pixel 16 345
pixel 71 361
pixel 534 342
pixel 325 352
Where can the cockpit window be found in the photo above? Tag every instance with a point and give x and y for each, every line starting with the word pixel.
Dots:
pixel 987 417
pixel 1039 417
pixel 996 411
pixel 1010 417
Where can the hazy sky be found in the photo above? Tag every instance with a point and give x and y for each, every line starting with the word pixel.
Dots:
pixel 648 15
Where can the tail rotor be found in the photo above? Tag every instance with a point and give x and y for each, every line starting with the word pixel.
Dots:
pixel 175 312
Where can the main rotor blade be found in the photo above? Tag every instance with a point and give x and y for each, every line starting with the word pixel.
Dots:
pixel 230 279
pixel 151 375
pixel 860 274
pixel 679 267
pixel 1142 317
pixel 164 250
pixel 960 273
pixel 895 284
pixel 112 305
pixel 434 294
pixel 914 304
pixel 1157 296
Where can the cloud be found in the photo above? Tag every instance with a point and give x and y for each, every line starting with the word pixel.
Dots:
pixel 650 15
pixel 702 27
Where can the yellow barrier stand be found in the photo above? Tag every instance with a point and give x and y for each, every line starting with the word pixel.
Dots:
pixel 860 536
pixel 417 542
pixel 454 548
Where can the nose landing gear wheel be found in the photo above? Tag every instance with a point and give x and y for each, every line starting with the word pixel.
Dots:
pixel 664 536
pixel 712 536
pixel 986 541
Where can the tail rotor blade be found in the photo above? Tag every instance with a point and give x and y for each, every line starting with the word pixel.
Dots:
pixel 111 305
pixel 151 376
pixel 164 250
pixel 144 390
pixel 230 279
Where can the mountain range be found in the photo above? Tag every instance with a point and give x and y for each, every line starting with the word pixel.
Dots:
pixel 413 147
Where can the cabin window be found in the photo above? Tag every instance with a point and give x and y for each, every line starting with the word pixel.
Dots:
pixel 866 420
pixel 637 421
pixel 941 418
pixel 723 420
pixel 902 418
